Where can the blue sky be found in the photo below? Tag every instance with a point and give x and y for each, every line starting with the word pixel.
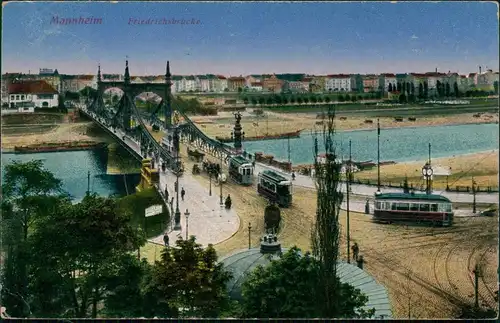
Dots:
pixel 242 38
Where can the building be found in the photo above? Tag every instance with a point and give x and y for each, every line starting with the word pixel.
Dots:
pixel 252 79
pixel 76 83
pixel 433 78
pixel 50 76
pixel 241 263
pixel 255 87
pixel 338 83
pixel 294 87
pixel 39 94
pixel 387 79
pixel 220 83
pixel 272 84
pixel 317 85
pixel 306 82
pixel 486 80
pixel 370 83
pixel 235 83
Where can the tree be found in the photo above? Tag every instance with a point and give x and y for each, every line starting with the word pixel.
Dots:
pixel 240 89
pixel 245 100
pixel 313 99
pixel 353 98
pixel 495 86
pixel 262 100
pixel 327 99
pixel 439 89
pixel 447 89
pixel 421 91
pixel 88 92
pixel 455 90
pixel 188 279
pixel 408 88
pixel 426 90
pixel 347 97
pixel 287 288
pixel 75 250
pixel 254 101
pixel 402 98
pixel 389 88
pixel 341 98
pixel 292 99
pixel 299 100
pixel 412 88
pixel 398 87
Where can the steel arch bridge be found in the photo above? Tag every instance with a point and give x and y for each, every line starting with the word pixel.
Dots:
pixel 125 118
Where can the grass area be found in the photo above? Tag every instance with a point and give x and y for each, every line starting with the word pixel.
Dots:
pixel 137 203
pixel 24 130
pixel 32 118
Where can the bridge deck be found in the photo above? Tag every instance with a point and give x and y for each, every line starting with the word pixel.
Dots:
pixel 209 222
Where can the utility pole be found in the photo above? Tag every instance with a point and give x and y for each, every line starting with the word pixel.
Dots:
pixel 249 235
pixel 473 196
pixel 378 155
pixel 221 172
pixel 348 173
pixel 430 177
pixel 476 286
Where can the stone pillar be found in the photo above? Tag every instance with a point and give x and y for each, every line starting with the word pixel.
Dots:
pixel 237 132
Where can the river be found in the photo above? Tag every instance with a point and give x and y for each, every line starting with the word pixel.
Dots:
pixel 72 168
pixel 397 144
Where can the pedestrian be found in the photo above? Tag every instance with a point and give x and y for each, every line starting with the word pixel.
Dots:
pixel 165 239
pixel 293 176
pixel 166 193
pixel 183 192
pixel 355 251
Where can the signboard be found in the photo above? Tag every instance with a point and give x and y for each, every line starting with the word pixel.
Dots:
pixel 154 210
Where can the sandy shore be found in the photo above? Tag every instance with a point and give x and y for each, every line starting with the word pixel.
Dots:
pixel 279 123
pixel 482 166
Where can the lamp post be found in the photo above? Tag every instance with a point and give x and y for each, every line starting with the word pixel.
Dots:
pixel 348 173
pixel 220 180
pixel 249 235
pixel 210 184
pixel 177 216
pixel 187 222
pixel 473 196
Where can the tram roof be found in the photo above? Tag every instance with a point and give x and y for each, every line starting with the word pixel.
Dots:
pixel 273 175
pixel 240 160
pixel 410 196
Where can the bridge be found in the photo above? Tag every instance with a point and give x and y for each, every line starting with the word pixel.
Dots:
pixel 129 127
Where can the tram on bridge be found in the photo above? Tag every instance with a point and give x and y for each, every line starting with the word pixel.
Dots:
pixel 415 208
pixel 275 188
pixel 241 170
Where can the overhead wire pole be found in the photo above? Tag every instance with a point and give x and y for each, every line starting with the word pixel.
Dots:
pixel 378 155
pixel 348 172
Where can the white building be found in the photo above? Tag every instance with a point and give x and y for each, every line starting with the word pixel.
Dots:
pixel 338 82
pixel 432 79
pixel 386 79
pixel 220 83
pixel 39 94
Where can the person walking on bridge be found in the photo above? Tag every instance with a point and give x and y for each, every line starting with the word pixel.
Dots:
pixel 355 251
pixel 183 192
pixel 166 193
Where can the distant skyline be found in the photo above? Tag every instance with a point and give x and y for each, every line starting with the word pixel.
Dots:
pixel 235 38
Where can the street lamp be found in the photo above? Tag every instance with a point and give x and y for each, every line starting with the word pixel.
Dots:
pixel 187 222
pixel 220 180
pixel 249 235
pixel 210 184
pixel 473 196
pixel 177 216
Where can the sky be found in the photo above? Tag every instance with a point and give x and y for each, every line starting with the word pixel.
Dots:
pixel 235 38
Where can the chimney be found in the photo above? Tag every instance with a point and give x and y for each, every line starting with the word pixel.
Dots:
pixel 479 69
pixel 436 69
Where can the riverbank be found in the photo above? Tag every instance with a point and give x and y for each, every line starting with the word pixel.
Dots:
pixel 62 146
pixel 483 167
pixel 278 123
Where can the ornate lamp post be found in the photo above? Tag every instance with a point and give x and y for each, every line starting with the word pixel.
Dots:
pixel 220 181
pixel 187 223
pixel 177 169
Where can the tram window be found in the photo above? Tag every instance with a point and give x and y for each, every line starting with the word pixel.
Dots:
pixel 413 207
pixel 387 205
pixel 424 207
pixel 379 205
pixel 434 207
pixel 403 206
pixel 394 206
pixel 283 190
pixel 448 207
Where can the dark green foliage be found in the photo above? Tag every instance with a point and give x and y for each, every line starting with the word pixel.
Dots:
pixel 288 288
pixel 402 98
pixel 495 86
pixel 390 87
pixel 456 92
pixel 426 90
pixel 447 90
pixel 188 277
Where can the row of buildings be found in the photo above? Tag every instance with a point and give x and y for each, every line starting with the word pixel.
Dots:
pixel 274 83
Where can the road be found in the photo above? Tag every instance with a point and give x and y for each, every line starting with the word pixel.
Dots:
pixel 369 191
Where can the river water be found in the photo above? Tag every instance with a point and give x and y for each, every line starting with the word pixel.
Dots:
pixel 72 168
pixel 397 144
pixel 401 144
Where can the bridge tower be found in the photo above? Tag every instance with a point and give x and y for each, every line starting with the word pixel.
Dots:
pixel 237 132
pixel 127 109
pixel 167 107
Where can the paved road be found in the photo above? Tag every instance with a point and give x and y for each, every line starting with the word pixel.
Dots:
pixel 369 191
pixel 208 221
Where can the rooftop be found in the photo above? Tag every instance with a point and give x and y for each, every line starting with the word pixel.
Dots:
pixel 242 263
pixel 409 196
pixel 32 87
pixel 275 176
pixel 241 160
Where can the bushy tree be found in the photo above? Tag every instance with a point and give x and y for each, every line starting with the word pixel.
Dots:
pixel 289 288
pixel 189 282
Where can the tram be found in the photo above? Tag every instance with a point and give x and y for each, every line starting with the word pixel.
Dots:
pixel 241 170
pixel 275 188
pixel 411 207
